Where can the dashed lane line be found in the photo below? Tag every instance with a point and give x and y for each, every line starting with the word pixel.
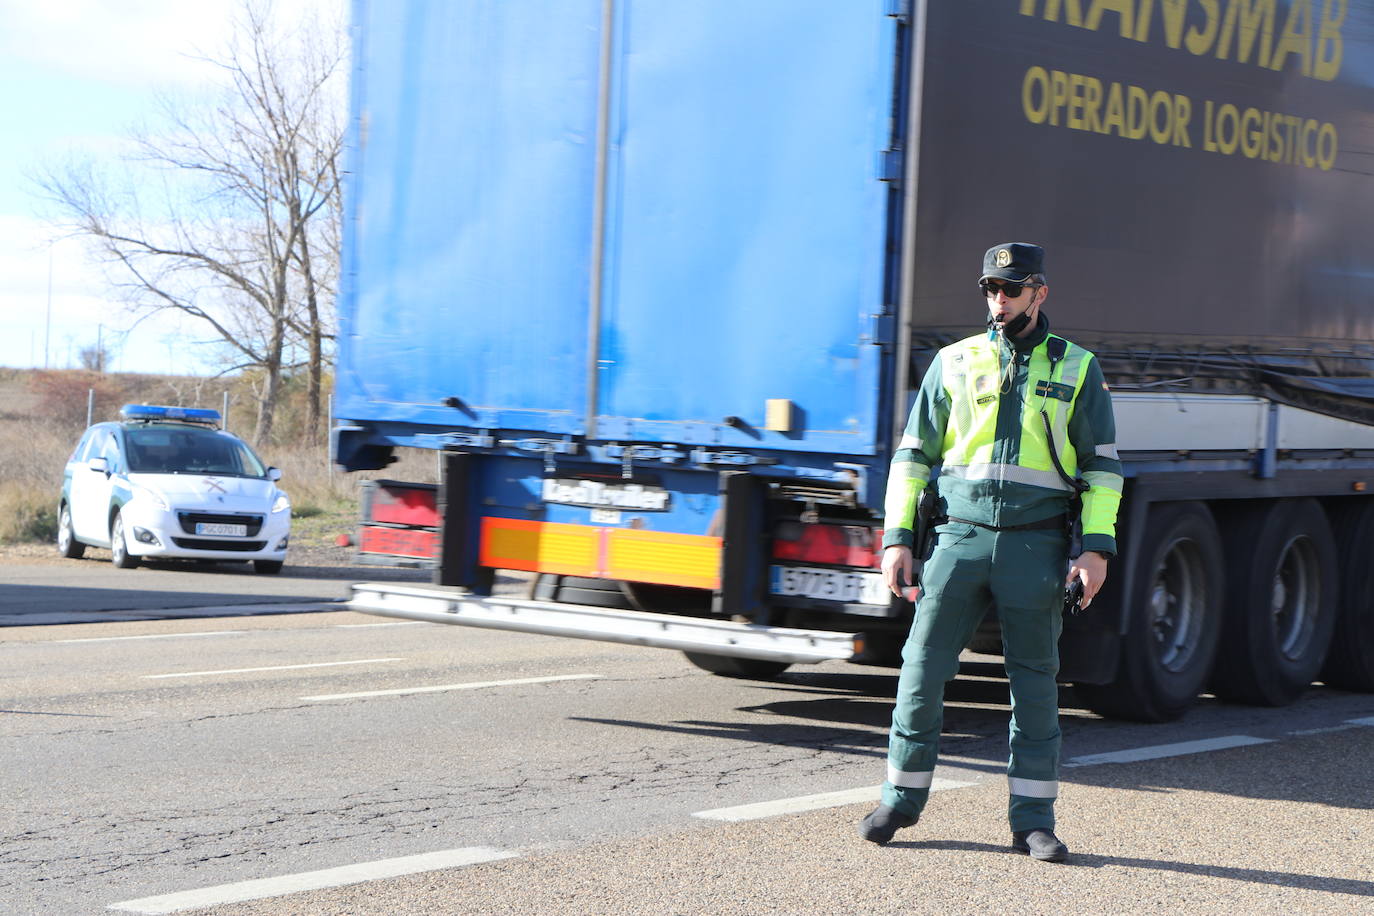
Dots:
pixel 476 685
pixel 358 661
pixel 312 880
pixel 1369 721
pixel 1159 751
pixel 150 636
pixel 811 802
pixel 393 623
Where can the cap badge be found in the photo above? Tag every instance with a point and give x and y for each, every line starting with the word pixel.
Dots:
pixel 1003 257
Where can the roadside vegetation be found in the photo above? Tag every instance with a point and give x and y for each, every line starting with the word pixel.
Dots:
pixel 43 413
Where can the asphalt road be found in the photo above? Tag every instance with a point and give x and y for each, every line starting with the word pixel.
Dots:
pixel 324 763
pixel 42 588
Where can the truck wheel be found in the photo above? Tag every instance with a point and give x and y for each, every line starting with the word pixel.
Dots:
pixel 67 544
pixel 755 668
pixel 1175 618
pixel 1350 665
pixel 1281 602
pixel 119 548
pixel 580 590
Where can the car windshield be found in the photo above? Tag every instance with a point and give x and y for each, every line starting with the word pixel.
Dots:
pixel 187 450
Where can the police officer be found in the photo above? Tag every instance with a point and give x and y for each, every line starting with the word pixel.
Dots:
pixel 1020 422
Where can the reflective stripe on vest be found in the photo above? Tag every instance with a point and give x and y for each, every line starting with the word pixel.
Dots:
pixel 972 382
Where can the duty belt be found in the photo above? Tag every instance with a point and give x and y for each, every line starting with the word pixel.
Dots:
pixel 1045 524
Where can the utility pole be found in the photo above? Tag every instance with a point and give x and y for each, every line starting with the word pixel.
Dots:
pixel 47 331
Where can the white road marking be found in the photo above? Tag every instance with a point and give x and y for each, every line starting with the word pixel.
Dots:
pixel 360 661
pixel 811 802
pixel 1369 721
pixel 394 623
pixel 401 691
pixel 312 880
pixel 151 636
pixel 1306 732
pixel 1159 751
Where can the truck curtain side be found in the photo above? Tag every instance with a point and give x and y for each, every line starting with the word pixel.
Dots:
pixel 657 281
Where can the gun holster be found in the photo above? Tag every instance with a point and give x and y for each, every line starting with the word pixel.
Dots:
pixel 1073 524
pixel 923 540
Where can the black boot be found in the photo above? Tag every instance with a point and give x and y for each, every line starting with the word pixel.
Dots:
pixel 882 823
pixel 1040 844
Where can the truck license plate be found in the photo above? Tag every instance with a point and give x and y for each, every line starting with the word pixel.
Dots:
pixel 829 584
pixel 217 530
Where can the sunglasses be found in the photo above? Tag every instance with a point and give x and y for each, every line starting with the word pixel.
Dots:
pixel 1007 288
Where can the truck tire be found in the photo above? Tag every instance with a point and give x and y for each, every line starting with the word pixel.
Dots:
pixel 67 544
pixel 1175 618
pixel 728 666
pixel 1281 601
pixel 1350 665
pixel 580 590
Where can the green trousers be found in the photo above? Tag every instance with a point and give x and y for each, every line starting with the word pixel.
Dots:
pixel 1022 572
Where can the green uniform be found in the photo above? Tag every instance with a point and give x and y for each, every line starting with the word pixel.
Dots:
pixel 978 417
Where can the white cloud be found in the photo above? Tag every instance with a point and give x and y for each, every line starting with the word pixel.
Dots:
pixel 140 42
pixel 131 42
pixel 38 327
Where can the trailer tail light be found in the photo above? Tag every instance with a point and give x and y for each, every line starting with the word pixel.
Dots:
pixel 832 545
pixel 398 542
pixel 400 522
pixel 390 502
pixel 606 553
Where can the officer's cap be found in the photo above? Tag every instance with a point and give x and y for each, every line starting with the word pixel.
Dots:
pixel 1014 261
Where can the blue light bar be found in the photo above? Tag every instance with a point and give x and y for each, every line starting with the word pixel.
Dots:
pixel 148 412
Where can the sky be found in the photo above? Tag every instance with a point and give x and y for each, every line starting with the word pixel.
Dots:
pixel 80 75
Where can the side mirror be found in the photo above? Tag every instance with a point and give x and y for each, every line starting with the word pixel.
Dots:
pixel 274 473
pixel 98 464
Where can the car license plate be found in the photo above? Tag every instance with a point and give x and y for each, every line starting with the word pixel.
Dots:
pixel 829 584
pixel 218 530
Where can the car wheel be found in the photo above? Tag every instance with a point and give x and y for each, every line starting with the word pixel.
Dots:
pixel 267 567
pixel 67 544
pixel 119 549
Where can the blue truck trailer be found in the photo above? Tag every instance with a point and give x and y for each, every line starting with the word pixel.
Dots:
pixel 656 280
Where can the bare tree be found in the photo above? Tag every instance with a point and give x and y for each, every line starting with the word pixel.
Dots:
pixel 243 234
pixel 94 358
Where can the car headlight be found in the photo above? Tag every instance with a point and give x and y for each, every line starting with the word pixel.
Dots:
pixel 283 504
pixel 151 496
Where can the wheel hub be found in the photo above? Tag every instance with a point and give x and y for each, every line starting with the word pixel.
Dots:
pixel 1175 602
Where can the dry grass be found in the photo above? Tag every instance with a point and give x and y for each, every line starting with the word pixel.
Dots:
pixel 33 452
pixel 32 455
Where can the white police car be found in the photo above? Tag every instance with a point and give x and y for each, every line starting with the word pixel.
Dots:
pixel 167 482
